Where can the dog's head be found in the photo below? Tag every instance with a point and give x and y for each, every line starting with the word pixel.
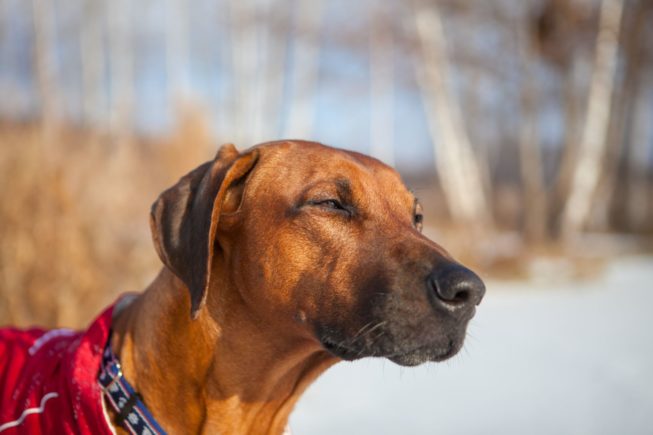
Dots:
pixel 325 242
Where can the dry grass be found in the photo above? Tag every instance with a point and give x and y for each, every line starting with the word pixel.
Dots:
pixel 74 211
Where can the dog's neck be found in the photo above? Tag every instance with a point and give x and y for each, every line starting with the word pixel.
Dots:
pixel 224 372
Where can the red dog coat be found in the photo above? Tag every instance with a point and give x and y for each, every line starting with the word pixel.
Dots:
pixel 48 380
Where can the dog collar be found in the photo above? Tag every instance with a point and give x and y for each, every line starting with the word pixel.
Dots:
pixel 129 405
pixel 132 413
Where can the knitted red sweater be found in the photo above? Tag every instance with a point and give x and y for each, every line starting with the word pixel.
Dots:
pixel 48 380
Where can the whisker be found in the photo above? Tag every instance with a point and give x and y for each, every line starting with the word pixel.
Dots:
pixel 377 326
pixel 360 331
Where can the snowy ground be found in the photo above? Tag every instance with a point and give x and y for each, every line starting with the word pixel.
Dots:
pixel 543 358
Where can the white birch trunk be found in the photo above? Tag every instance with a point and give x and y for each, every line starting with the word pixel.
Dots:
pixel 245 61
pixel 92 60
pixel 259 79
pixel 121 59
pixel 45 63
pixel 530 157
pixel 224 104
pixel 382 81
pixel 177 52
pixel 455 160
pixel 586 175
pixel 305 69
pixel 277 38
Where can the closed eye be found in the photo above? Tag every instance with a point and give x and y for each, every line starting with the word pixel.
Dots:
pixel 418 220
pixel 418 216
pixel 332 204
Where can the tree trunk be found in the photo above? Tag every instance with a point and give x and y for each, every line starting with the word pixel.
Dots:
pixel 92 60
pixel 455 160
pixel 305 69
pixel 246 65
pixel 382 121
pixel 177 52
pixel 612 205
pixel 121 61
pixel 45 63
pixel 277 39
pixel 638 190
pixel 572 112
pixel 593 142
pixel 530 157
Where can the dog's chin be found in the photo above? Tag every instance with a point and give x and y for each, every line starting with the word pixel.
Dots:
pixel 425 354
pixel 341 350
pixel 433 352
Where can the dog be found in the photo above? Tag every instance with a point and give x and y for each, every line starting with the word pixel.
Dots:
pixel 278 262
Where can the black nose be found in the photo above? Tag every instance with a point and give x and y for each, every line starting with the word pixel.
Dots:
pixel 455 287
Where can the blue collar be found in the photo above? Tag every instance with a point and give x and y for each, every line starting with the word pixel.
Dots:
pixel 128 404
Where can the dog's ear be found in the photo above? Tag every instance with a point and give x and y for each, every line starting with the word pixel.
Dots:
pixel 184 219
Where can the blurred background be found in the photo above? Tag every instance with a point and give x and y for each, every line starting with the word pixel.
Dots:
pixel 525 128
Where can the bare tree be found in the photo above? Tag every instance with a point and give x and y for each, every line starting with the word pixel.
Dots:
pixel 276 54
pixel 305 68
pixel 92 57
pixel 45 62
pixel 455 160
pixel 639 199
pixel 121 61
pixel 382 87
pixel 246 64
pixel 268 73
pixel 177 51
pixel 531 166
pixel 636 204
pixel 588 169
pixel 622 140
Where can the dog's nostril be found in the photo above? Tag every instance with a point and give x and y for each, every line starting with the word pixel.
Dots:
pixel 460 296
pixel 452 292
pixel 456 286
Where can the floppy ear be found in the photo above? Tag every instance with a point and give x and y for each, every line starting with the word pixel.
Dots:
pixel 184 219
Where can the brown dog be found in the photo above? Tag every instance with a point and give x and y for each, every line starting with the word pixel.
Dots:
pixel 280 262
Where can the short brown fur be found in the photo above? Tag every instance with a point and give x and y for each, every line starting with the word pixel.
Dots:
pixel 281 269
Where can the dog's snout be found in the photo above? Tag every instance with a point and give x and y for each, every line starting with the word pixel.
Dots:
pixel 455 287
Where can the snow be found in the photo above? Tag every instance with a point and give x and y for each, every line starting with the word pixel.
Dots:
pixel 541 358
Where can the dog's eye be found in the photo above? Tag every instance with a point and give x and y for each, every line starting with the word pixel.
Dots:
pixel 332 205
pixel 418 217
pixel 418 221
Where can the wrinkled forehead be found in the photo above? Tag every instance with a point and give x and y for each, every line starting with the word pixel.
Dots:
pixel 292 167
